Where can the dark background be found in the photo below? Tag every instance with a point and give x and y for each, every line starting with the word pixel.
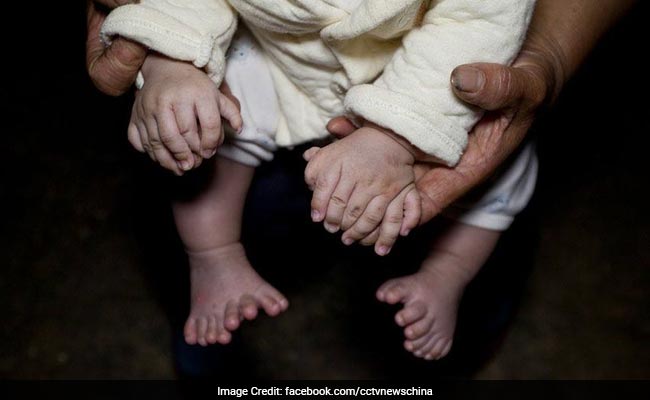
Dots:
pixel 87 251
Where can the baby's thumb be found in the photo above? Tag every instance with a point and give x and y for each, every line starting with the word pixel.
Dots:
pixel 230 112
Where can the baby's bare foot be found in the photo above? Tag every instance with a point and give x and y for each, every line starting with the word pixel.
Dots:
pixel 430 299
pixel 226 290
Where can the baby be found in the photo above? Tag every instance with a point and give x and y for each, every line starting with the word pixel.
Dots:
pixel 294 66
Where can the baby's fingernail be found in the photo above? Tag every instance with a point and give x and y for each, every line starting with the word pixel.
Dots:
pixel 209 153
pixel 383 250
pixel 331 228
pixel 468 79
pixel 406 232
pixel 315 215
pixel 186 165
pixel 347 241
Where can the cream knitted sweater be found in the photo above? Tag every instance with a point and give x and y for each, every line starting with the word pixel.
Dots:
pixel 386 61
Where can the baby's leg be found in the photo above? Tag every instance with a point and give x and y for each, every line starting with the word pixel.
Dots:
pixel 225 288
pixel 431 295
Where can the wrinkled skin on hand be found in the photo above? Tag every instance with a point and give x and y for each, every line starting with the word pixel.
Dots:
pixel 113 70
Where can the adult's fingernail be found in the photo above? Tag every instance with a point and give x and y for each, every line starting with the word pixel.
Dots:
pixel 468 79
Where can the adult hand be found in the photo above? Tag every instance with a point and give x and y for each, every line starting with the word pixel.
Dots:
pixel 512 97
pixel 114 69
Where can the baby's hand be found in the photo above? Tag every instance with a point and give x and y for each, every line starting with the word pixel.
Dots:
pixel 402 215
pixel 164 118
pixel 356 179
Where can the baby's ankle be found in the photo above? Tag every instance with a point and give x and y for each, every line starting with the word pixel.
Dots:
pixel 217 250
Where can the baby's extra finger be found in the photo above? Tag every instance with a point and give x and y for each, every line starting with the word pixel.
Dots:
pixel 412 211
pixel 323 189
pixel 309 154
pixel 390 226
pixel 230 112
pixel 355 208
pixel 186 122
pixel 368 222
pixel 171 137
pixel 134 137
pixel 337 204
pixel 211 129
pixel 163 156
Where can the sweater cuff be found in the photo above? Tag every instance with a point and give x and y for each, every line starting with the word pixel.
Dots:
pixel 166 35
pixel 426 129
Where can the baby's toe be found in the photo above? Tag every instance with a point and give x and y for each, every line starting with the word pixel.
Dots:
pixel 418 329
pixel 189 331
pixel 211 334
pixel 396 293
pixel 202 328
pixel 392 292
pixel 270 305
pixel 440 349
pixel 410 313
pixel 223 336
pixel 426 348
pixel 232 317
pixel 417 344
pixel 248 307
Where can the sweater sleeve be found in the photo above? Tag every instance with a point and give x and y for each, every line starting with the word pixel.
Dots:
pixel 413 95
pixel 198 31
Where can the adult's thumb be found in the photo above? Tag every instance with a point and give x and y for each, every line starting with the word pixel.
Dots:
pixel 489 86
